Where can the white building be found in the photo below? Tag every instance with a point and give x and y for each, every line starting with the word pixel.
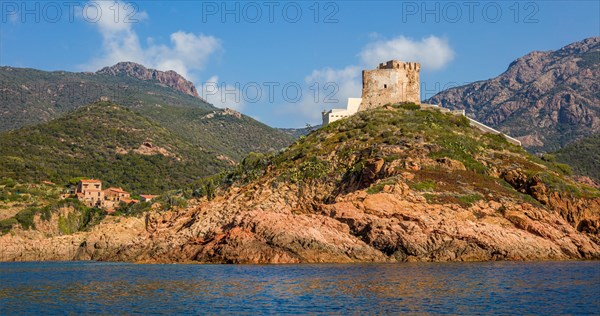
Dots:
pixel 337 114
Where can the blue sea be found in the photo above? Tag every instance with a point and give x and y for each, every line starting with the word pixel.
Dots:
pixel 546 288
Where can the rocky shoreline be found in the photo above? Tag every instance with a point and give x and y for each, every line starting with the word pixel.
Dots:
pixel 395 225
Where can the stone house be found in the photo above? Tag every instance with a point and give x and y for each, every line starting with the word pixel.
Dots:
pixel 89 191
pixel 112 196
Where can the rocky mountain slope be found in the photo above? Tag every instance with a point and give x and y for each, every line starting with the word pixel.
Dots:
pixel 169 78
pixel 108 142
pixel 389 184
pixel 30 96
pixel 545 99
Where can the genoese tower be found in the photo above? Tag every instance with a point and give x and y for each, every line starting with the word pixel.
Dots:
pixel 390 83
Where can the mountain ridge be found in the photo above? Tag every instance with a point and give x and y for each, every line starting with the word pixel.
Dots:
pixel 168 78
pixel 545 99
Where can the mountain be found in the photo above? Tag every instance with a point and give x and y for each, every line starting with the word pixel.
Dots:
pixel 32 96
pixel 545 99
pixel 388 184
pixel 108 142
pixel 299 132
pixel 169 78
pixel 583 155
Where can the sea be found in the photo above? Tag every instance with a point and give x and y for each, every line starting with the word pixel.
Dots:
pixel 101 288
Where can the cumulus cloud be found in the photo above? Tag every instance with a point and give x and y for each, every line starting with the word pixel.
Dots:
pixel 186 53
pixel 324 89
pixel 222 95
pixel 432 52
pixel 335 85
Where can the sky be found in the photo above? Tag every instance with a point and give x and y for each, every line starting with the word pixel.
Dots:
pixel 283 63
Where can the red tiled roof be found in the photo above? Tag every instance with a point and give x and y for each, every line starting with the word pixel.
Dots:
pixel 90 181
pixel 118 190
pixel 129 201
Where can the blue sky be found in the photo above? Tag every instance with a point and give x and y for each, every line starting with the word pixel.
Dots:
pixel 284 62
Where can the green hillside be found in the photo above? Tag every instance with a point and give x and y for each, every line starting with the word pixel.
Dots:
pixel 583 155
pixel 437 154
pixel 32 96
pixel 108 142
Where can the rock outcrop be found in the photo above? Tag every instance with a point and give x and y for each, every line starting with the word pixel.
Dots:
pixel 258 224
pixel 169 78
pixel 545 99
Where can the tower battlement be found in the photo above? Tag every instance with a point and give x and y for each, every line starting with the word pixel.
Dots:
pixel 395 64
pixel 391 82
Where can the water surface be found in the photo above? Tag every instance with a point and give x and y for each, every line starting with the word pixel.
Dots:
pixel 452 288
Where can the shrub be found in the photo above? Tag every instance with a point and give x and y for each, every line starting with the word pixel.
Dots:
pixel 7 224
pixel 25 217
pixel 469 199
pixel 408 106
pixel 426 185
pixel 171 200
pixel 8 182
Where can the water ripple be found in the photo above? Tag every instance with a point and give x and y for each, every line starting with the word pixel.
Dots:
pixel 448 288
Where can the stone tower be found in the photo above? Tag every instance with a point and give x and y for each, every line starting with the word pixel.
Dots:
pixel 392 82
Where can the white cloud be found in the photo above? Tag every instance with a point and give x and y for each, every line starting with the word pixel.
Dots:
pixel 432 52
pixel 222 95
pixel 186 53
pixel 335 86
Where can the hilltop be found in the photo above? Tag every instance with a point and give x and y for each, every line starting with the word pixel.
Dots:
pixel 32 96
pixel 389 184
pixel 545 99
pixel 169 78
pixel 107 141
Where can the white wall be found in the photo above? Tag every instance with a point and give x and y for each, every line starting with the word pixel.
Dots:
pixel 338 114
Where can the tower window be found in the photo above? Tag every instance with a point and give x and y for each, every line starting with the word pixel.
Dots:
pixel 385 86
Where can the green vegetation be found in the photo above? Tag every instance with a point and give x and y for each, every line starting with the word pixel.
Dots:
pixel 218 132
pixel 583 156
pixel 44 201
pixel 345 156
pixel 135 210
pixel 105 141
pixel 7 224
pixel 378 187
pixel 32 96
pixel 463 200
pixel 427 185
pixel 79 218
pixel 172 200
